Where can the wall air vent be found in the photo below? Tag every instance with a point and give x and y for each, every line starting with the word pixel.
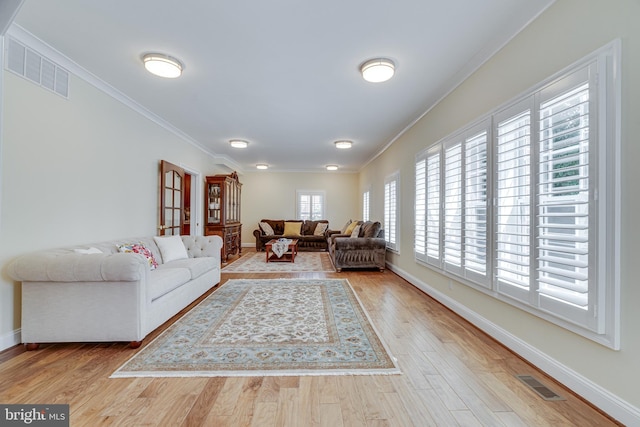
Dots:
pixel 35 67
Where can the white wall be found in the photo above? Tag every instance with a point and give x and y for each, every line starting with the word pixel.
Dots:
pixel 76 170
pixel 272 195
pixel 566 32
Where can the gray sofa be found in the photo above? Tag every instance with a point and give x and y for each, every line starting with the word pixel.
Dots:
pixel 368 250
pixel 96 293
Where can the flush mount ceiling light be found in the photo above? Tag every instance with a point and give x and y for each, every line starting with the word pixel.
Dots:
pixel 162 65
pixel 238 143
pixel 262 166
pixel 332 167
pixel 343 145
pixel 378 70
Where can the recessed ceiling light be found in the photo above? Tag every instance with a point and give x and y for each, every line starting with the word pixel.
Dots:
pixel 238 143
pixel 162 65
pixel 262 166
pixel 343 145
pixel 332 167
pixel 378 70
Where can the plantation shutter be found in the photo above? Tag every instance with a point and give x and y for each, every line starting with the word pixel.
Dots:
pixel 563 212
pixel 390 211
pixel 453 207
pixel 475 208
pixel 304 206
pixel 432 224
pixel 420 210
pixel 310 205
pixel 513 204
pixel 365 206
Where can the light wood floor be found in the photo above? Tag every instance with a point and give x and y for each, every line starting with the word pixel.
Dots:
pixel 453 375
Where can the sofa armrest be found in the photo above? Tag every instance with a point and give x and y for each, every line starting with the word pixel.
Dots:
pixel 334 234
pixel 203 246
pixel 74 267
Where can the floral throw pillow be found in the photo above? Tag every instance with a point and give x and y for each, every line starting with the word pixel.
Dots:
pixel 139 248
pixel 320 229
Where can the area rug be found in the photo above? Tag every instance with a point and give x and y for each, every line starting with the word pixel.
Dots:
pixel 277 327
pixel 256 262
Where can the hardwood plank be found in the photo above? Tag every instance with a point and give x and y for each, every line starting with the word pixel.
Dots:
pixel 452 374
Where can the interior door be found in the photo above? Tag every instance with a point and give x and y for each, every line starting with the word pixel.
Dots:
pixel 171 199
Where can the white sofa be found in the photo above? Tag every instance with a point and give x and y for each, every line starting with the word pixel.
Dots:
pixel 77 294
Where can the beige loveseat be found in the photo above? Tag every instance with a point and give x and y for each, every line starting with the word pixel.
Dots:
pixel 95 292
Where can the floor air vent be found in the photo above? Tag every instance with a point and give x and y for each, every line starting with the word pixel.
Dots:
pixel 542 390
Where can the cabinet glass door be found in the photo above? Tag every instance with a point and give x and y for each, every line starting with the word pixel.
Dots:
pixel 213 206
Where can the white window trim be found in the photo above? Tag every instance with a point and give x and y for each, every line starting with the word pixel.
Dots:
pixel 606 199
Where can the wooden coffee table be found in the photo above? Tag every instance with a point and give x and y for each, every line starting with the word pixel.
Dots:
pixel 288 256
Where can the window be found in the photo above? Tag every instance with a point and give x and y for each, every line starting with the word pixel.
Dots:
pixel 513 203
pixel 310 205
pixel 463 250
pixel 391 204
pixel 433 207
pixel 453 206
pixel 420 210
pixel 365 206
pixel 548 162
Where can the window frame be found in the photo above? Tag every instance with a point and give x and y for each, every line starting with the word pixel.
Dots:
pixel 311 194
pixel 392 205
pixel 366 205
pixel 600 321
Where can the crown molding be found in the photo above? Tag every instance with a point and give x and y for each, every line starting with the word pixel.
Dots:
pixel 25 37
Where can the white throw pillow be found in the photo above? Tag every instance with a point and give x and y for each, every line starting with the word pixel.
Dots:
pixel 266 229
pixel 171 248
pixel 356 231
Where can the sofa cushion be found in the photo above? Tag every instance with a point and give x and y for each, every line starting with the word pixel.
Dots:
pixel 351 226
pixel 196 266
pixel 343 230
pixel 276 224
pixel 308 227
pixel 292 228
pixel 267 230
pixel 370 229
pixel 171 248
pixel 139 248
pixel 321 228
pixel 164 279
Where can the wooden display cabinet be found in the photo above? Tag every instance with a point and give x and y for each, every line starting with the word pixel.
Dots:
pixel 222 212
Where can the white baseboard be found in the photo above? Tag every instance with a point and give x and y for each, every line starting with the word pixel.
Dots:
pixel 603 399
pixel 10 339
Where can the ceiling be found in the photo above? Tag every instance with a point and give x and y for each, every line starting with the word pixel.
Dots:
pixel 282 74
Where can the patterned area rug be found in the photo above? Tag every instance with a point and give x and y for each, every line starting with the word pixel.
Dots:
pixel 256 262
pixel 252 327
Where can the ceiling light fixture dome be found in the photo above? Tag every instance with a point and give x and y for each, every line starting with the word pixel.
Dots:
pixel 378 70
pixel 162 65
pixel 332 167
pixel 262 166
pixel 238 143
pixel 343 145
